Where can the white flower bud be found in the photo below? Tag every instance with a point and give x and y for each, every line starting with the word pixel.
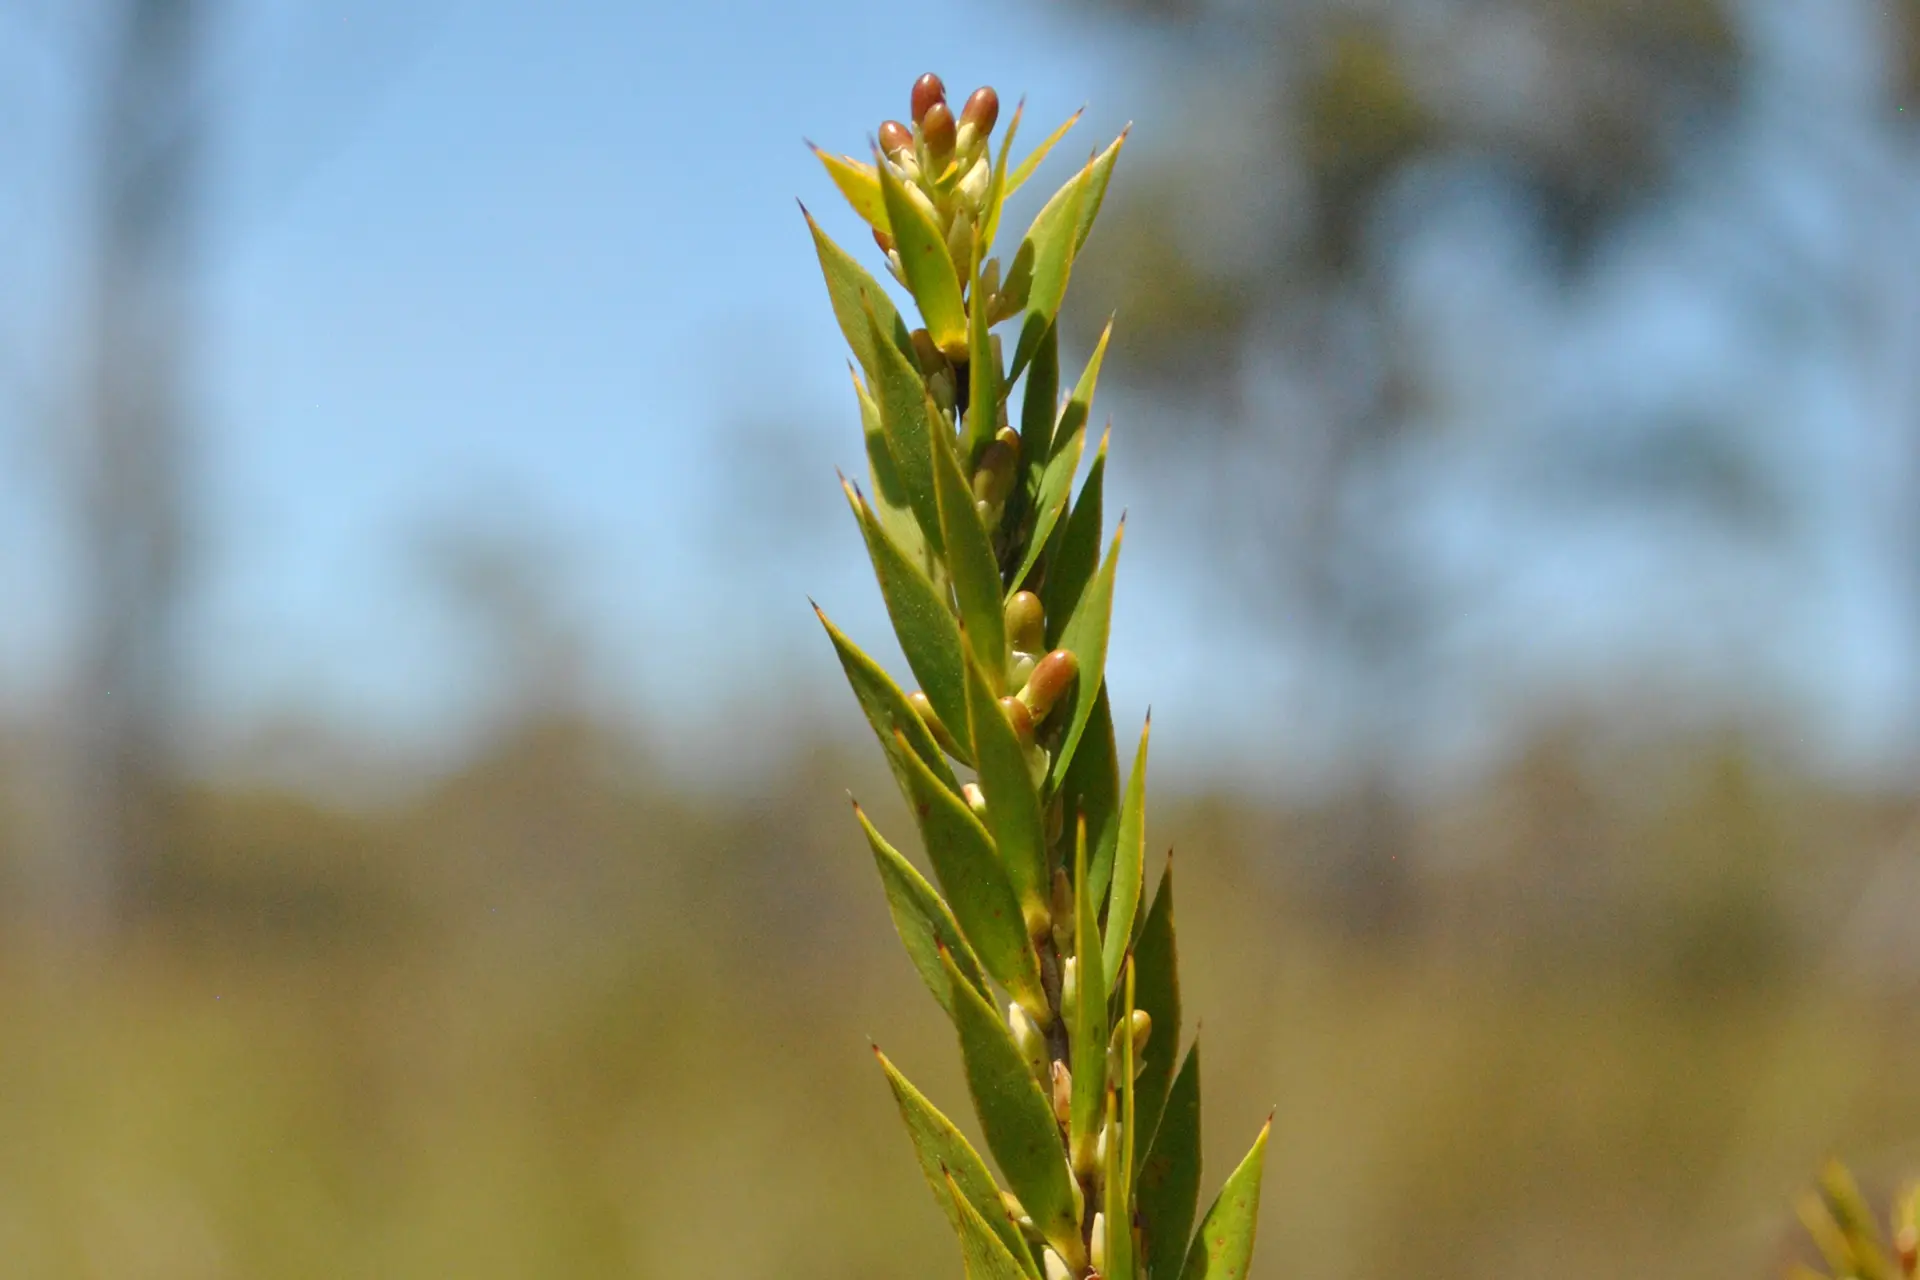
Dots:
pixel 1055 1268
pixel 973 187
pixel 1033 1045
pixel 1098 1247
pixel 976 799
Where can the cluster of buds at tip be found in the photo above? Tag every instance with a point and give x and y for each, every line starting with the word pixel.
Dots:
pixel 1052 676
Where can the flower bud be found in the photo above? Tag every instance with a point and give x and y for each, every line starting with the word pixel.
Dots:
pixel 1062 1093
pixel 1097 1247
pixel 976 799
pixel 895 138
pixel 993 479
pixel 1026 622
pixel 1069 981
pixel 927 90
pixel 973 187
pixel 982 109
pixel 897 269
pixel 960 243
pixel 1020 669
pixel 1052 676
pixel 1142 1023
pixel 1079 1194
pixel 1020 718
pixel 1101 1145
pixel 918 701
pixel 938 132
pixel 1055 1268
pixel 1032 1045
pixel 882 239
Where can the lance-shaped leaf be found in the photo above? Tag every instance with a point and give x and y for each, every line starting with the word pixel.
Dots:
pixel 1117 1186
pixel 1077 554
pixel 886 708
pixel 971 563
pixel 1100 172
pixel 1156 966
pixel 1013 805
pixel 928 635
pixel 948 1159
pixel 922 920
pixel 859 183
pixel 1039 153
pixel 909 421
pixel 986 1254
pixel 975 884
pixel 1048 252
pixel 1017 1121
pixel 852 291
pixel 983 375
pixel 890 499
pixel 926 263
pixel 1168 1186
pixel 1039 409
pixel 1087 1025
pixel 1224 1244
pixel 1086 635
pixel 1063 460
pixel 1091 791
pixel 997 185
pixel 1129 861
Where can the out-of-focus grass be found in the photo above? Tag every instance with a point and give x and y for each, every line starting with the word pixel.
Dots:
pixel 551 1020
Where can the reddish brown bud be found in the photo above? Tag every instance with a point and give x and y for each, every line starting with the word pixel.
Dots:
pixel 938 129
pixel 1051 678
pixel 982 109
pixel 895 138
pixel 1020 718
pixel 927 90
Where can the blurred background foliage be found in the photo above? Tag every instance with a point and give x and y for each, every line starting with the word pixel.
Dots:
pixel 1521 397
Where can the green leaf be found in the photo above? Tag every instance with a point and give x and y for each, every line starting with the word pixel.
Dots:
pixel 987 1255
pixel 1079 407
pixel 978 891
pixel 1039 153
pixel 1129 861
pixel 891 502
pixel 887 709
pixel 997 185
pixel 971 563
pixel 1224 1244
pixel 1039 409
pixel 1091 790
pixel 983 374
pixel 926 263
pixel 1087 1026
pixel 928 635
pixel 852 291
pixel 1016 1119
pixel 1117 1186
pixel 922 919
pixel 1078 552
pixel 1063 458
pixel 1168 1188
pixel 1086 636
pixel 910 421
pixel 949 1161
pixel 859 183
pixel 1048 246
pixel 1155 962
pixel 1099 173
pixel 1013 804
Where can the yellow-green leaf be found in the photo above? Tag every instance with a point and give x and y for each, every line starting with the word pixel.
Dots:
pixel 1013 803
pixel 983 375
pixel 949 1161
pixel 1087 1026
pixel 852 291
pixel 1129 861
pixel 1048 252
pixel 890 499
pixel 1097 179
pixel 927 264
pixel 1117 1187
pixel 1169 1181
pixel 1224 1245
pixel 1017 1120
pixel 986 1255
pixel 1077 554
pixel 909 421
pixel 922 920
pixel 1157 971
pixel 976 885
pixel 887 708
pixel 1086 635
pixel 997 184
pixel 859 183
pixel 1039 153
pixel 971 564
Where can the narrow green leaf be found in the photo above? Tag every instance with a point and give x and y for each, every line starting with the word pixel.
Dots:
pixel 927 264
pixel 852 291
pixel 1039 410
pixel 1049 245
pixel 987 1255
pixel 1155 961
pixel 1079 407
pixel 1013 803
pixel 1087 1026
pixel 1118 1185
pixel 971 562
pixel 1129 861
pixel 927 632
pixel 997 185
pixel 859 183
pixel 949 1160
pixel 887 708
pixel 910 422
pixel 1039 153
pixel 1016 1119
pixel 922 919
pixel 1097 177
pixel 1168 1186
pixel 983 376
pixel 891 502
pixel 1063 459
pixel 1086 635
pixel 1078 552
pixel 976 885
pixel 1091 790
pixel 1224 1244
